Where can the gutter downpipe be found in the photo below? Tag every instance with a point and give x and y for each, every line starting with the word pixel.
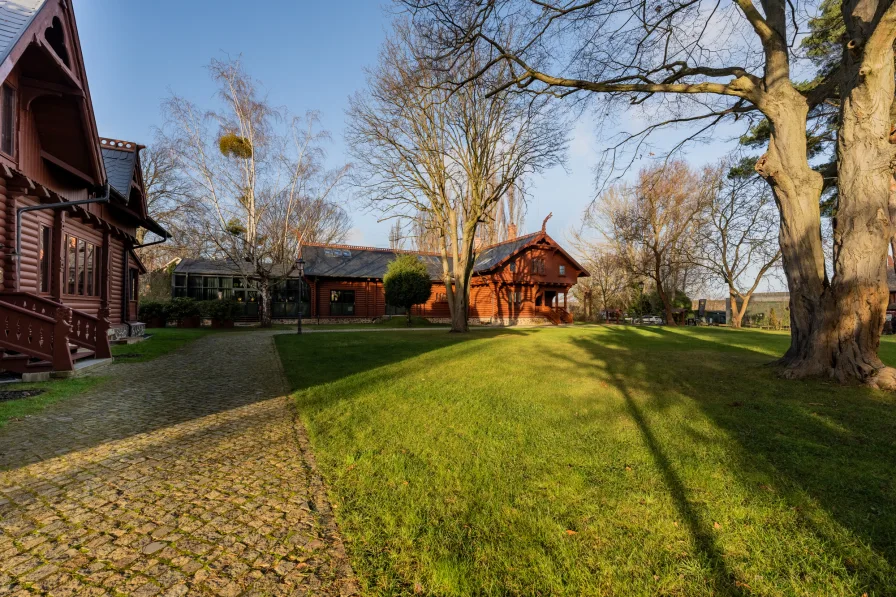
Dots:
pixel 22 210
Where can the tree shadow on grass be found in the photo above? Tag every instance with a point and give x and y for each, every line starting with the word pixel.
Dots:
pixel 180 387
pixel 827 450
pixel 360 353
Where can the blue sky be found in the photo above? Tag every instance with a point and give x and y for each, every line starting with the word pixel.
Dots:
pixel 308 55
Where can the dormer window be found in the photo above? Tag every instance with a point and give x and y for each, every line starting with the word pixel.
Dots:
pixel 8 120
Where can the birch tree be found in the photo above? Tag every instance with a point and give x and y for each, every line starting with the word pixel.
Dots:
pixel 257 177
pixel 446 156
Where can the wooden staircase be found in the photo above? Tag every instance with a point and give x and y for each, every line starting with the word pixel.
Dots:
pixel 38 334
pixel 556 315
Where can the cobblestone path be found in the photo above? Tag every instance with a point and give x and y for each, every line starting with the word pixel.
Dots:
pixel 188 474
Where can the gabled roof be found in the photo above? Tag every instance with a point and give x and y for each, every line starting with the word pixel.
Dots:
pixel 344 261
pixel 15 16
pixel 348 261
pixel 492 255
pixel 120 165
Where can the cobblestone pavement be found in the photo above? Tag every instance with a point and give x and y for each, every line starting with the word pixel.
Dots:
pixel 188 474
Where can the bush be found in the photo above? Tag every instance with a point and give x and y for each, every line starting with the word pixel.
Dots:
pixel 406 283
pixel 774 322
pixel 153 310
pixel 183 307
pixel 222 310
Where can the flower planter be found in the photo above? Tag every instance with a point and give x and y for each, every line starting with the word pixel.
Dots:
pixel 189 322
pixel 222 323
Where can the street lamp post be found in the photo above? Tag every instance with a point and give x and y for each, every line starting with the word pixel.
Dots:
pixel 300 266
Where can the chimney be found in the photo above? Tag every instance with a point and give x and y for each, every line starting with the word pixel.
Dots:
pixel 511 231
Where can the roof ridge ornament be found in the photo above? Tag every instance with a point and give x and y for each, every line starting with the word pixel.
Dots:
pixel 107 143
pixel 545 223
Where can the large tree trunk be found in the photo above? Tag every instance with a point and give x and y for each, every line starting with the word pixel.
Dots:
pixel 737 313
pixel 862 233
pixel 667 305
pixel 664 296
pixel 797 191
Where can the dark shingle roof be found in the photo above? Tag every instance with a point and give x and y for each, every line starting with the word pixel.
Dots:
pixel 342 261
pixel 15 16
pixel 357 262
pixel 495 254
pixel 120 169
pixel 213 267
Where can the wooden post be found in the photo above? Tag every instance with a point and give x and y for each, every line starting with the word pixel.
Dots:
pixel 57 260
pixel 103 348
pixel 62 356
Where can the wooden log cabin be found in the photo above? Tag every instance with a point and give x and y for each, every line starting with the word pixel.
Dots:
pixel 525 280
pixel 72 202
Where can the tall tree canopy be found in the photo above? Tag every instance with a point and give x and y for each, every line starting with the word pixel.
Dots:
pixel 257 179
pixel 445 158
pixel 698 63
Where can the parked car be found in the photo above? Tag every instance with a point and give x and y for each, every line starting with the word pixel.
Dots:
pixel 652 320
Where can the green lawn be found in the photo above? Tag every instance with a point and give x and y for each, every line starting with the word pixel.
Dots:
pixel 163 341
pixel 56 390
pixel 598 461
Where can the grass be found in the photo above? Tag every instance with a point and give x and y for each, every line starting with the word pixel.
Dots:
pixel 401 321
pixel 163 341
pixel 598 461
pixel 56 390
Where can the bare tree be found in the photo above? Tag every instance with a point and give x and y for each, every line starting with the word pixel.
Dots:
pixel 738 240
pixel 698 63
pixel 170 203
pixel 257 178
pixel 425 233
pixel 504 220
pixel 451 156
pixel 609 285
pixel 396 236
pixel 651 223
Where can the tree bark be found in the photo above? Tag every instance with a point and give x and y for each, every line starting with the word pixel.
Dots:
pixel 264 304
pixel 737 313
pixel 859 291
pixel 797 191
pixel 667 305
pixel 664 296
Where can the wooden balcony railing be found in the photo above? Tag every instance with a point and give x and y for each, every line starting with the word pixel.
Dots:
pixel 37 335
pixel 87 331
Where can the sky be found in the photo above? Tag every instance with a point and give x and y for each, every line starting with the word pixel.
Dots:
pixel 308 56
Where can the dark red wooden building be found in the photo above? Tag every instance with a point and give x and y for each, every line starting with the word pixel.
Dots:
pixel 71 202
pixel 520 281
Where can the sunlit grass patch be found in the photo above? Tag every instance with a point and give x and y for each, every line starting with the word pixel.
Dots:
pixel 598 460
